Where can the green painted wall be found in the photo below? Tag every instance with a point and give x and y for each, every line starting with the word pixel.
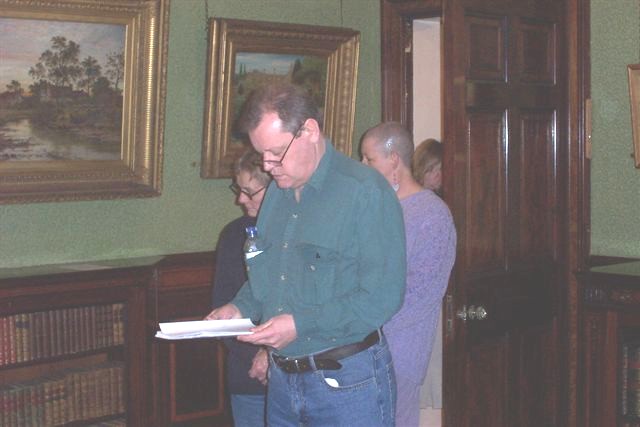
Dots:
pixel 191 211
pixel 615 183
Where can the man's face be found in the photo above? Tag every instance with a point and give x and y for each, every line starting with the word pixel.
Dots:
pixel 297 166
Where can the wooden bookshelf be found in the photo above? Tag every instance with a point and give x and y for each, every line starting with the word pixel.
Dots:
pixel 610 345
pixel 72 347
pixel 187 385
pixel 77 345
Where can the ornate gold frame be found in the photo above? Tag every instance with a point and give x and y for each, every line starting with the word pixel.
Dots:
pixel 227 37
pixel 634 97
pixel 138 171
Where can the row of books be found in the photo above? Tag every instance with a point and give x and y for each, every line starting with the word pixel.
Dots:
pixel 630 380
pixel 67 396
pixel 32 336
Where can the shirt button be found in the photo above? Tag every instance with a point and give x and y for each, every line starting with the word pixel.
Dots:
pixel 294 216
pixel 333 339
pixel 283 277
pixel 280 309
pixel 285 245
pixel 312 267
pixel 308 338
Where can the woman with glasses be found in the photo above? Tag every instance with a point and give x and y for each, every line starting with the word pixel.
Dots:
pixel 246 363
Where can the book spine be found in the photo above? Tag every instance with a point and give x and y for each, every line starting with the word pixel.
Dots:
pixel 100 326
pixel 33 339
pixel 81 327
pixel 4 342
pixel 53 330
pixel 37 397
pixel 13 406
pixel 118 324
pixel 26 337
pixel 48 401
pixel 120 389
pixel 23 403
pixel 624 379
pixel 109 325
pixel 66 332
pixel 4 406
pixel 86 328
pixel 18 327
pixel 633 381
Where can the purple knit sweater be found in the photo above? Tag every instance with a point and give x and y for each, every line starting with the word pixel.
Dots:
pixel 431 251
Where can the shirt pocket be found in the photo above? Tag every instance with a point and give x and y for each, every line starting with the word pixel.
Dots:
pixel 319 266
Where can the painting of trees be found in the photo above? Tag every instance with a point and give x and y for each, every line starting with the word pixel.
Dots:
pixel 69 103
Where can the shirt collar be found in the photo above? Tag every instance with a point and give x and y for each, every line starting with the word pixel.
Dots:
pixel 319 177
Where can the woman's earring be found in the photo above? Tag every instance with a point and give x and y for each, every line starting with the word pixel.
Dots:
pixel 395 184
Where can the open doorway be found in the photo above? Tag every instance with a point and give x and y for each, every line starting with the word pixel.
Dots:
pixel 427 123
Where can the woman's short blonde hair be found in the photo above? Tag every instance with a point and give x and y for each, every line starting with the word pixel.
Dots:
pixel 251 162
pixel 427 157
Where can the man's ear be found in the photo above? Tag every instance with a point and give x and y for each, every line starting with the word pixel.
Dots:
pixel 312 128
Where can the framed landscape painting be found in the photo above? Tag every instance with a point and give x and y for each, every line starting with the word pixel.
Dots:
pixel 246 54
pixel 82 87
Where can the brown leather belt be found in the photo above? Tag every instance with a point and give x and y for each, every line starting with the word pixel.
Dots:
pixel 326 360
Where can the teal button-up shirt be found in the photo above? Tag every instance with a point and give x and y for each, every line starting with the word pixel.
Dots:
pixel 335 260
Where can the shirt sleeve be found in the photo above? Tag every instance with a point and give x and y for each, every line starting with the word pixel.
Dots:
pixel 430 259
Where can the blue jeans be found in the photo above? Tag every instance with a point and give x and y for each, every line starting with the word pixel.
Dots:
pixel 361 393
pixel 248 410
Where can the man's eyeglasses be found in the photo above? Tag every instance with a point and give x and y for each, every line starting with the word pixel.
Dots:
pixel 278 163
pixel 237 190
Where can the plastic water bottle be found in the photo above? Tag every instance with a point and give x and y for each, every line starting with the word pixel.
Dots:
pixel 252 244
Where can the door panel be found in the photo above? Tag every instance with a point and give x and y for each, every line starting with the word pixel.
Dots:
pixel 504 100
pixel 536 160
pixel 483 235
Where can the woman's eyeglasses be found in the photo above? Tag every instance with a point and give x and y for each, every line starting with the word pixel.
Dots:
pixel 237 190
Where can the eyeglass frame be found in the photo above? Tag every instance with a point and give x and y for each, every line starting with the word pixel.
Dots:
pixel 237 190
pixel 278 163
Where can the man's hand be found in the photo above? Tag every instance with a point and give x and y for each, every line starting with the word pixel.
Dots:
pixel 260 366
pixel 276 332
pixel 227 311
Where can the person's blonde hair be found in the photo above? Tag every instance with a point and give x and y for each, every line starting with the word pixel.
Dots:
pixel 427 156
pixel 251 162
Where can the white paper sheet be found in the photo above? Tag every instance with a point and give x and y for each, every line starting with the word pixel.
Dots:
pixel 204 329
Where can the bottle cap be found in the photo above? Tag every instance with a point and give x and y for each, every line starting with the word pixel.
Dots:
pixel 252 231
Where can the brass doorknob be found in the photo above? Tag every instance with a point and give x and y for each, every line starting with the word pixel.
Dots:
pixel 472 313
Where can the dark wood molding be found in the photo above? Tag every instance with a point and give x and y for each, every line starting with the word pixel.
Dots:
pixel 596 260
pixel 577 197
pixel 397 75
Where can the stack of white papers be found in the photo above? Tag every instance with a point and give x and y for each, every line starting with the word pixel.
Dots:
pixel 204 329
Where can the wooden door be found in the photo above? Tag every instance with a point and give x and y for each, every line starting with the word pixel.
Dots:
pixel 505 123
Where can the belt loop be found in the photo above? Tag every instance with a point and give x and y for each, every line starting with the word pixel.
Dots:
pixel 312 363
pixel 380 335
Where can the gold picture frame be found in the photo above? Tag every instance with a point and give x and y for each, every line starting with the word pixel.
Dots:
pixel 634 97
pixel 93 130
pixel 243 54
